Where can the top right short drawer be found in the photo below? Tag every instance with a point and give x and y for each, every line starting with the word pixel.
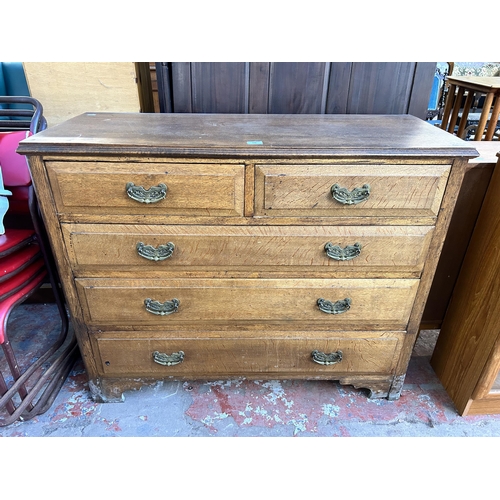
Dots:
pixel 349 190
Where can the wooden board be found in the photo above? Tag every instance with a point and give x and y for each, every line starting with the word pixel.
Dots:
pixel 112 248
pixel 374 304
pixel 476 180
pixel 67 89
pixel 465 358
pixel 220 355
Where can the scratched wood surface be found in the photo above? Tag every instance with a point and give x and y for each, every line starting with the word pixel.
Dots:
pixel 306 190
pixel 375 303
pixel 248 136
pixel 231 355
pixel 110 249
pixel 211 189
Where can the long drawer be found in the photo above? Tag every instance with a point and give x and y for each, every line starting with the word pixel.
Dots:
pixel 154 249
pixel 109 188
pixel 188 303
pixel 232 355
pixel 349 190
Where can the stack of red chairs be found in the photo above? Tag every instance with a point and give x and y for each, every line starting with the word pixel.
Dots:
pixel 26 263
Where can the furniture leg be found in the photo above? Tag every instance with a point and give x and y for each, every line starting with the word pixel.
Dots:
pixel 493 120
pixel 484 117
pixel 448 107
pixel 465 114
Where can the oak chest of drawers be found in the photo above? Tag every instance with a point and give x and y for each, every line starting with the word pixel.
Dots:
pixel 256 246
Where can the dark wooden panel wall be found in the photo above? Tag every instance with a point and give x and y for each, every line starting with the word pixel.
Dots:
pixel 301 87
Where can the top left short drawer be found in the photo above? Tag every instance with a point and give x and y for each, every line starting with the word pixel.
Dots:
pixel 149 188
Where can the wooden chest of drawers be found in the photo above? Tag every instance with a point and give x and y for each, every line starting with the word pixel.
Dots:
pixel 257 246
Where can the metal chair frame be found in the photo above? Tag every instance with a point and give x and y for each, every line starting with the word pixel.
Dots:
pixel 32 393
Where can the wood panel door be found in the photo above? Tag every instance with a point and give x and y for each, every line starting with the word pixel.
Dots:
pixel 295 87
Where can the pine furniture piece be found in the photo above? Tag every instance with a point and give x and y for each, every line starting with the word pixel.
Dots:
pixel 467 354
pixel 209 246
pixel 470 86
pixel 467 208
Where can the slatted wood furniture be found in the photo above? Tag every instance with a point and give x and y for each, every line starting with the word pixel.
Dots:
pixel 467 354
pixel 259 246
pixel 470 86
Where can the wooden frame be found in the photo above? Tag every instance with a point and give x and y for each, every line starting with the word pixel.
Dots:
pixel 467 354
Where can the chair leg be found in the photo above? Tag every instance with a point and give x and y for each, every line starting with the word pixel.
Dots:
pixel 14 367
pixel 56 374
pixel 61 355
pixel 9 404
pixel 53 377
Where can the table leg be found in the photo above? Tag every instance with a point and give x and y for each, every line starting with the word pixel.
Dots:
pixel 493 120
pixel 456 109
pixel 484 116
pixel 465 113
pixel 450 99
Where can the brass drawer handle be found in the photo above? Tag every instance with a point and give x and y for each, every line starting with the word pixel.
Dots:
pixel 151 195
pixel 149 252
pixel 161 308
pixel 335 252
pixel 168 359
pixel 346 197
pixel 327 359
pixel 339 307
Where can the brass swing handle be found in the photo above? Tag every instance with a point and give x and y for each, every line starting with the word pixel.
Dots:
pixel 168 359
pixel 326 359
pixel 151 195
pixel 346 197
pixel 161 252
pixel 339 307
pixel 161 308
pixel 336 252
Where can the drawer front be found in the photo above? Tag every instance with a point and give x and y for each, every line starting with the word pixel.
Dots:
pixel 188 303
pixel 315 190
pixel 370 353
pixel 107 188
pixel 254 249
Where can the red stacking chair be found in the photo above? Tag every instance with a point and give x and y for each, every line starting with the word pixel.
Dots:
pixel 26 263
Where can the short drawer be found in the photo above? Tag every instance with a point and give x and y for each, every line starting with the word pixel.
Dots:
pixel 349 190
pixel 188 303
pixel 155 249
pixel 108 188
pixel 234 355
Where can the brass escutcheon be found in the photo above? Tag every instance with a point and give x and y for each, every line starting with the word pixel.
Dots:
pixel 336 252
pixel 161 308
pixel 168 359
pixel 326 359
pixel 346 197
pixel 149 252
pixel 142 195
pixel 339 307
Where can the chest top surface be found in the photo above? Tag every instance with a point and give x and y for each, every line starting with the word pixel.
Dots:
pixel 252 136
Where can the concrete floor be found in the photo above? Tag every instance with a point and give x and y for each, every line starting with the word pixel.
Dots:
pixel 242 408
